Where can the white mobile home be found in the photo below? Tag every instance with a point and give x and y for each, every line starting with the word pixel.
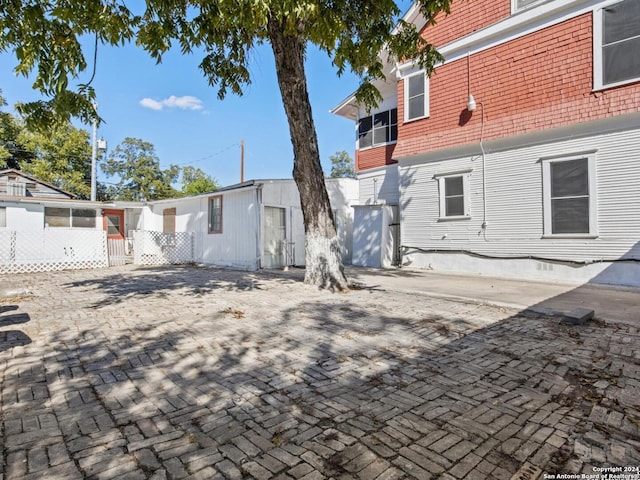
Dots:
pixel 251 225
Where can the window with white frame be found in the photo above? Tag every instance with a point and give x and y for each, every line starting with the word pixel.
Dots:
pixel 454 195
pixel 69 217
pixel 616 44
pixel 3 217
pixel 215 214
pixel 378 129
pixel 569 195
pixel 416 96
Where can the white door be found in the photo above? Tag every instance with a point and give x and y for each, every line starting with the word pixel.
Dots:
pixel 274 237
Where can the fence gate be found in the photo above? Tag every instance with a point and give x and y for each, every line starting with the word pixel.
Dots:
pixel 116 250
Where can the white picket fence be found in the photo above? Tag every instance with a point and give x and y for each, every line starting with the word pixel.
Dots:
pixel 158 248
pixel 52 249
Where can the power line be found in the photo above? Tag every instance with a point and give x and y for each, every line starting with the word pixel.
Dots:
pixel 220 152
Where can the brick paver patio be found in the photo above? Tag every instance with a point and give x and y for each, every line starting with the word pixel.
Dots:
pixel 182 372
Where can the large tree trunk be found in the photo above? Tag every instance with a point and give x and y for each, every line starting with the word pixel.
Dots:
pixel 324 264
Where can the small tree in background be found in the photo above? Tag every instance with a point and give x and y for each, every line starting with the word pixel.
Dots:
pixel 342 165
pixel 195 181
pixel 135 162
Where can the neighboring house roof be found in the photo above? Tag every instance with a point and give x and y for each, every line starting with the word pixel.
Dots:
pixel 10 171
pixel 51 202
pixel 240 186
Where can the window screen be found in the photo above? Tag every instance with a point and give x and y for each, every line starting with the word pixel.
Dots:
pixel 57 217
pixel 365 133
pixel 113 224
pixel 416 96
pixel 570 196
pixel 83 218
pixel 621 41
pixel 215 214
pixel 454 196
pixel 381 127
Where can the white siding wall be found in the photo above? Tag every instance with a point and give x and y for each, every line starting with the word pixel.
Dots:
pixel 235 247
pixel 240 243
pixel 379 186
pixel 24 217
pixel 515 208
pixel 343 193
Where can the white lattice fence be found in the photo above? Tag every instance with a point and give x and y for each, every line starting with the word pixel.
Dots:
pixel 52 249
pixel 158 248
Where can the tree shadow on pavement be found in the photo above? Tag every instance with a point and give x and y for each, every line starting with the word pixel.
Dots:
pixel 350 386
pixel 159 281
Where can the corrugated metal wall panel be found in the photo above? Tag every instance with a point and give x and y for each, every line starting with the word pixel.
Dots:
pixel 515 202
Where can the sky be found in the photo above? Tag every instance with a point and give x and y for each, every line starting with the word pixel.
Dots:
pixel 172 106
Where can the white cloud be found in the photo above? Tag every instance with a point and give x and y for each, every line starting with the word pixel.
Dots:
pixel 186 102
pixel 150 103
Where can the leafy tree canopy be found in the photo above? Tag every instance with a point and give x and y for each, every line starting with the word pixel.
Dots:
pixel 44 35
pixel 11 152
pixel 137 166
pixel 195 181
pixel 342 165
pixel 60 155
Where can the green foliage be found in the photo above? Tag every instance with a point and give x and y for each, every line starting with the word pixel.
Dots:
pixel 136 164
pixel 44 37
pixel 11 151
pixel 342 165
pixel 61 156
pixel 195 181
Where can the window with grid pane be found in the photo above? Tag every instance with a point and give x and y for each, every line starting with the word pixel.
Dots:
pixel 378 129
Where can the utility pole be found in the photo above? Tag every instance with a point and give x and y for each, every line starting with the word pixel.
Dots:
pixel 94 154
pixel 242 160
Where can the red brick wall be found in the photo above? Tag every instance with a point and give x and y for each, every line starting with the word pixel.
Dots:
pixel 375 157
pixel 539 81
pixel 466 17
